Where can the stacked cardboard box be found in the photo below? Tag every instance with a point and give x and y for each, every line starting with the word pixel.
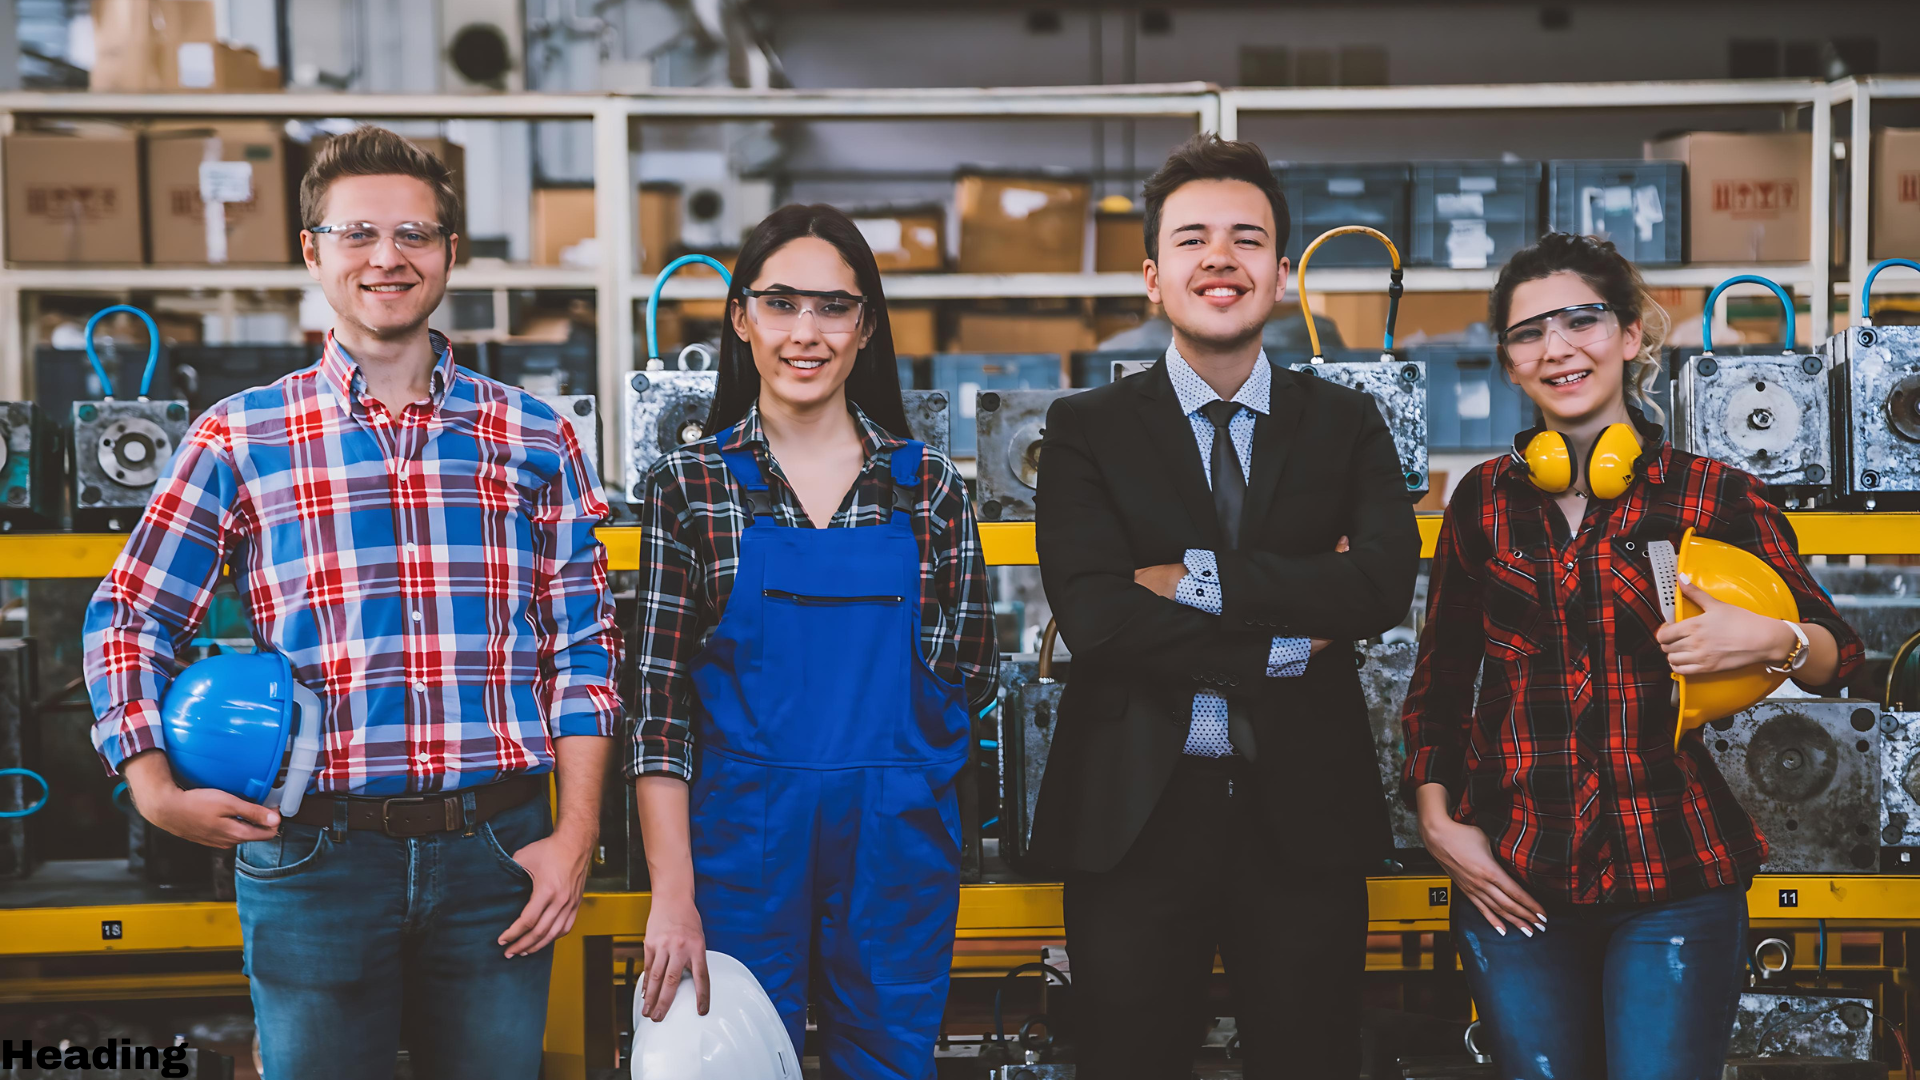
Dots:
pixel 1896 194
pixel 73 195
pixel 1026 223
pixel 220 192
pixel 1746 193
pixel 905 239
pixel 144 46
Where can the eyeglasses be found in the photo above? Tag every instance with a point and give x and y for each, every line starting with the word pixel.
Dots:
pixel 1580 326
pixel 363 235
pixel 780 309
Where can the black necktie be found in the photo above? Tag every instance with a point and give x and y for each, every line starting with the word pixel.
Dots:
pixel 1229 500
pixel 1229 483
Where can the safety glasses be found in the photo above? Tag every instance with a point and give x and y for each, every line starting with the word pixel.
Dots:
pixel 408 236
pixel 1580 326
pixel 780 309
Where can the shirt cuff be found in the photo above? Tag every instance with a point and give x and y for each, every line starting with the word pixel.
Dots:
pixel 133 729
pixel 1288 656
pixel 1200 589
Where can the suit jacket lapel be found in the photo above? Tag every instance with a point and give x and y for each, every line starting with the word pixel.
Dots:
pixel 1272 438
pixel 1172 437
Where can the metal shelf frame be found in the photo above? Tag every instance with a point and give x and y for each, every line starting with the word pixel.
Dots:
pixel 1860 93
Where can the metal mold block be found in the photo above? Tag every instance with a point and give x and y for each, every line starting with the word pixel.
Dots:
pixel 1900 790
pixel 582 413
pixel 1876 395
pixel 1029 711
pixel 1771 416
pixel 668 409
pixel 1808 1023
pixel 1399 387
pixel 1385 671
pixel 120 448
pixel 1010 424
pixel 30 467
pixel 1809 771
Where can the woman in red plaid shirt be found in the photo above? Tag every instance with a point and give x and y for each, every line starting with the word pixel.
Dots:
pixel 1600 874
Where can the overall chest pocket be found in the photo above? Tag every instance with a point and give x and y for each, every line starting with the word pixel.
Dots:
pixel 1513 616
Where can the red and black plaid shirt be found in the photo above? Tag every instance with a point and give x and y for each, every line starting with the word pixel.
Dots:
pixel 1566 760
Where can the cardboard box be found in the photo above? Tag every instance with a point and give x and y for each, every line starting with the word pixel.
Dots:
pixel 659 225
pixel 908 239
pixel 1119 244
pixel 1021 224
pixel 188 163
pixel 992 331
pixel 73 196
pixel 914 329
pixel 142 46
pixel 1896 194
pixel 1746 194
pixel 563 227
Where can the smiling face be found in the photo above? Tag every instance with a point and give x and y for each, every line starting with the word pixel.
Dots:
pixel 381 291
pixel 1219 272
pixel 799 363
pixel 1571 385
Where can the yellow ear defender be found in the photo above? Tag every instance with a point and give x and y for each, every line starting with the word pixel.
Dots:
pixel 1549 461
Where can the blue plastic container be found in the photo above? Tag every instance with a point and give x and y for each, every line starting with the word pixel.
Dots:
pixel 964 375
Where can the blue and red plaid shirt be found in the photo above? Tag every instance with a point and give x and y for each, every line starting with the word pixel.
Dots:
pixel 1564 752
pixel 433 577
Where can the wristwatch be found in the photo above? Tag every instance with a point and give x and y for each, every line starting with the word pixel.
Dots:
pixel 1797 657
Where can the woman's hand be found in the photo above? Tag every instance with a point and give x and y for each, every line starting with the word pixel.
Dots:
pixel 675 943
pixel 1467 857
pixel 1722 637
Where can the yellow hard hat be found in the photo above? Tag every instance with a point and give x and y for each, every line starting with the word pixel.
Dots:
pixel 1742 579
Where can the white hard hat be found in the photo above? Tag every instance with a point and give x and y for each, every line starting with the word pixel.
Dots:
pixel 740 1038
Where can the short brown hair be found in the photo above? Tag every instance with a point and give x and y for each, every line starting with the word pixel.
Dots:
pixel 375 151
pixel 1207 156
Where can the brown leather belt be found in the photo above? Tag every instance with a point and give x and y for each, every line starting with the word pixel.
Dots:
pixel 422 815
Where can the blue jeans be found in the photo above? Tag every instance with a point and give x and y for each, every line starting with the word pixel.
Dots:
pixel 357 943
pixel 1610 992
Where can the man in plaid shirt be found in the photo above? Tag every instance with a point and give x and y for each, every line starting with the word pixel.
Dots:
pixel 418 542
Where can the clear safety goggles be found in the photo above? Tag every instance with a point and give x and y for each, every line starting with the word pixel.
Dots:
pixel 1580 326
pixel 408 236
pixel 780 309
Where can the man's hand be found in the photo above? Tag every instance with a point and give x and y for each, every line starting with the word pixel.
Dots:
pixel 558 865
pixel 206 816
pixel 1161 580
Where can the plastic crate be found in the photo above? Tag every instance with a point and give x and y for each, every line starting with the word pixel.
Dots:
pixel 1471 404
pixel 1095 367
pixel 1474 214
pixel 207 374
pixel 964 375
pixel 1322 197
pixel 1639 205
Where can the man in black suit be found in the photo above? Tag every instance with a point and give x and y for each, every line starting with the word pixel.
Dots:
pixel 1206 529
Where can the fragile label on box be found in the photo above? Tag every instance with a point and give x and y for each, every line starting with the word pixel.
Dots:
pixel 226 182
pixel 1755 197
pixel 68 202
pixel 1910 187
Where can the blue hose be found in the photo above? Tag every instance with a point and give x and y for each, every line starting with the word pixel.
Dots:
pixel 659 284
pixel 153 348
pixel 1866 289
pixel 1706 317
pixel 46 792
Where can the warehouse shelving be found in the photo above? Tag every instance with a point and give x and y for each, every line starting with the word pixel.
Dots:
pixel 1860 93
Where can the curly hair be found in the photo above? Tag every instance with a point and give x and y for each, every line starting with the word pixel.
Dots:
pixel 1616 280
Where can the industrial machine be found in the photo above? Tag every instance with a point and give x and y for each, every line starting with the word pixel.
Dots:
pixel 1809 771
pixel 30 457
pixel 1385 671
pixel 1029 707
pixel 1010 425
pixel 120 448
pixel 1770 415
pixel 19 752
pixel 1398 387
pixel 582 413
pixel 1876 396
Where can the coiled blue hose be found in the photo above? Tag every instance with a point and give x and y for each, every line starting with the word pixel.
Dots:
pixel 46 792
pixel 1866 288
pixel 659 284
pixel 1706 317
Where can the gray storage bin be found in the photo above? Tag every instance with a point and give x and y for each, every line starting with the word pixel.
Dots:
pixel 1471 404
pixel 1639 205
pixel 1322 197
pixel 964 375
pixel 1471 215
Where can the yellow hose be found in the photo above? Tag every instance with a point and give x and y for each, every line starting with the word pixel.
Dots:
pixel 1393 289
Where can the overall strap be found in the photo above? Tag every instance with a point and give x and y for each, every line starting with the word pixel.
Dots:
pixel 906 475
pixel 746 470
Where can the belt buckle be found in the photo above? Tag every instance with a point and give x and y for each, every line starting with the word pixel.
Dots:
pixel 386 810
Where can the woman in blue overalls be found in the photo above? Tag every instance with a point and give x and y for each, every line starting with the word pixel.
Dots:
pixel 814 630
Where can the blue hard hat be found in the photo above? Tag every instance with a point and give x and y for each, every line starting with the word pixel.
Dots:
pixel 228 721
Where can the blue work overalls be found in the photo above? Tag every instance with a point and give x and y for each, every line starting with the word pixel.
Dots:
pixel 826 831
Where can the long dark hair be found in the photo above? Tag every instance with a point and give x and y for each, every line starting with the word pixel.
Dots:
pixel 1606 272
pixel 875 382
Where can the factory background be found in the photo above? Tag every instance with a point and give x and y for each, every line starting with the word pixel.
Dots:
pixel 993 154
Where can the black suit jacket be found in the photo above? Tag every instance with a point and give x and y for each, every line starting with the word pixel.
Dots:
pixel 1122 487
